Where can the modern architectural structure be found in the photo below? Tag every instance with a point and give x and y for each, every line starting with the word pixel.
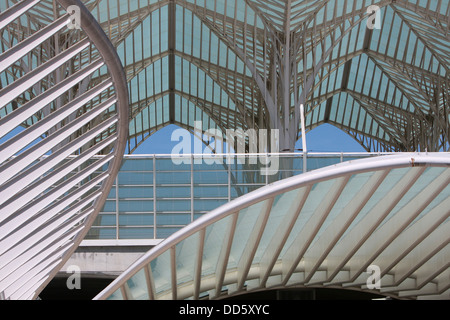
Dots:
pixel 54 120
pixel 324 228
pixel 250 64
pixel 83 82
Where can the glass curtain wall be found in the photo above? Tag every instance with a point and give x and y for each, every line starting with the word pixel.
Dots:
pixel 156 196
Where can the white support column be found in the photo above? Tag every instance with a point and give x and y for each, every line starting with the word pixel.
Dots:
pixel 154 197
pixel 192 188
pixel 198 264
pixel 304 147
pixel 286 76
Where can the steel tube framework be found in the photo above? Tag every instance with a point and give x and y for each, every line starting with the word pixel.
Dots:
pixel 376 69
pixel 54 124
pixel 250 64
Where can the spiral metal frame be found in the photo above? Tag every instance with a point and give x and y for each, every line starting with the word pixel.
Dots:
pixel 62 137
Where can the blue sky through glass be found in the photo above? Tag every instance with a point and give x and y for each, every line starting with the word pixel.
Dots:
pixel 325 138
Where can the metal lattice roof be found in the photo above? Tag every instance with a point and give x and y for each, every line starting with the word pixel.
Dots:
pixel 61 140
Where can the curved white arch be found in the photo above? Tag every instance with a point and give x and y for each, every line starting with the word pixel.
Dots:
pixel 324 228
pixel 52 190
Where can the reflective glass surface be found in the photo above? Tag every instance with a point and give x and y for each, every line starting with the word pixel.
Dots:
pixel 156 196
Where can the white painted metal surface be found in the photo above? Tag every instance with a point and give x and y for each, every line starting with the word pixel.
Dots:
pixel 324 228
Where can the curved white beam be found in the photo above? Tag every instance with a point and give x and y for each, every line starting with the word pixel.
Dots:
pixel 56 173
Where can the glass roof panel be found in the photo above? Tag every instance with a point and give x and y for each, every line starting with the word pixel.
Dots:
pixel 240 45
pixel 246 220
pixel 281 207
pixel 186 257
pixel 137 286
pixel 425 180
pixel 161 272
pixel 316 196
pixel 214 232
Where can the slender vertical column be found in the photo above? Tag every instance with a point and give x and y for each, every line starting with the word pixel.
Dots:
pixel 171 44
pixel 192 187
pixel 154 196
pixel 285 143
pixel 229 181
pixel 117 206
pixel 304 147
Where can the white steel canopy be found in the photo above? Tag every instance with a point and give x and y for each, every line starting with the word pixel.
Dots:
pixel 62 137
pixel 324 228
pixel 250 64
